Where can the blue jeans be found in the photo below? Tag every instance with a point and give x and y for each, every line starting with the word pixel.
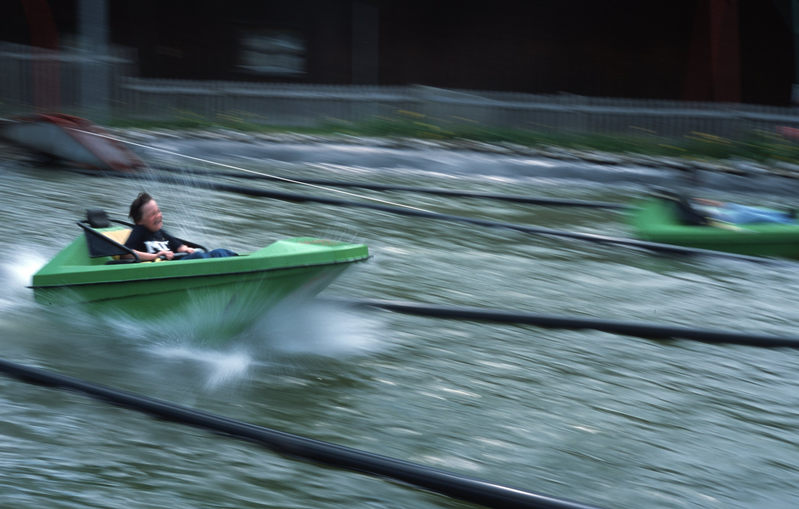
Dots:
pixel 216 253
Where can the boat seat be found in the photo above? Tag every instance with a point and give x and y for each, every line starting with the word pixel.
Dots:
pixel 686 213
pixel 97 218
pixel 109 243
pixel 106 243
pixel 118 235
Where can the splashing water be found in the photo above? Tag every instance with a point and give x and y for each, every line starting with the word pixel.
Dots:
pixel 292 330
pixel 317 328
pixel 16 276
pixel 20 270
pixel 220 367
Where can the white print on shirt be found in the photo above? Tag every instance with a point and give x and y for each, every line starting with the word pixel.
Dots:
pixel 153 246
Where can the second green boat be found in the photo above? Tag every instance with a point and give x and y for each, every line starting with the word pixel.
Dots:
pixel 671 219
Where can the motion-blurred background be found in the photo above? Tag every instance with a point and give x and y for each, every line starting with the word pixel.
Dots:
pixel 720 67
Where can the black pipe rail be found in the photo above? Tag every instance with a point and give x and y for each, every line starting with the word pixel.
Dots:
pixel 642 330
pixel 410 211
pixel 446 483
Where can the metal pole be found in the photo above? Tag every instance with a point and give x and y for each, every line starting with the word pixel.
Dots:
pixel 795 32
pixel 95 78
pixel 365 43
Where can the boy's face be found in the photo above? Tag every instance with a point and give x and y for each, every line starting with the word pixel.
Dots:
pixel 151 216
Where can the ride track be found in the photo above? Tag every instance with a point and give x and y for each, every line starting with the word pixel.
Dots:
pixel 643 330
pixel 398 208
pixel 446 483
pixel 413 211
pixel 450 484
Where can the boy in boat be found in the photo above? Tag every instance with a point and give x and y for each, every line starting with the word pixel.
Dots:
pixel 150 242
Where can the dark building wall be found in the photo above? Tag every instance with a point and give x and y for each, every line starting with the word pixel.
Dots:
pixel 767 52
pixel 200 39
pixel 328 31
pixel 631 49
pixel 36 22
pixel 175 39
pixel 702 50
pixel 673 49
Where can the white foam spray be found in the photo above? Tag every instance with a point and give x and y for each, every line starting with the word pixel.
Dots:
pixel 317 328
pixel 289 335
pixel 16 278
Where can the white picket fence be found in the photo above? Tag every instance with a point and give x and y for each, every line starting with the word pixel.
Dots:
pixel 30 79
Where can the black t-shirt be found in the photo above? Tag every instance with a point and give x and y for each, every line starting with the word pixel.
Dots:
pixel 142 239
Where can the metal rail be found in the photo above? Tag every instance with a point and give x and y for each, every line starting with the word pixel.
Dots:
pixel 446 483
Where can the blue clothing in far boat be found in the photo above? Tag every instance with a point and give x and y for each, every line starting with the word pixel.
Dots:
pixel 745 214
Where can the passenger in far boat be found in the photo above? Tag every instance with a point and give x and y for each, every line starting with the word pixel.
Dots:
pixel 704 212
pixel 151 242
pixel 742 214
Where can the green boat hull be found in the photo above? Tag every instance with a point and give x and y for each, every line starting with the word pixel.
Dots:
pixel 656 220
pixel 236 288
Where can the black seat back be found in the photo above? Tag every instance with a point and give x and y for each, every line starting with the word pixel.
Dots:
pixel 686 213
pixel 97 218
pixel 100 244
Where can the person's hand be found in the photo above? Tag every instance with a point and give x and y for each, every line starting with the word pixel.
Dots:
pixel 189 250
pixel 166 255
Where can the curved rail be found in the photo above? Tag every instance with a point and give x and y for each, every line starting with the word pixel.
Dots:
pixel 447 483
pixel 643 330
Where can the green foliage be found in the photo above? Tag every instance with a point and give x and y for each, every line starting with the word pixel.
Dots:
pixel 757 146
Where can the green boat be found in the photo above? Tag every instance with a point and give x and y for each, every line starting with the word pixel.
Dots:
pixel 672 219
pixel 92 272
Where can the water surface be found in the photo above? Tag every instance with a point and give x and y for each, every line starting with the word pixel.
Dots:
pixel 583 415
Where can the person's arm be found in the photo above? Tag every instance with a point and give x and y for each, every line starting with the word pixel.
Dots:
pixel 174 241
pixel 136 241
pixel 148 257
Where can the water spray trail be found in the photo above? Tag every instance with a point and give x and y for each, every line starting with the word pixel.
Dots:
pixel 323 329
pixel 222 366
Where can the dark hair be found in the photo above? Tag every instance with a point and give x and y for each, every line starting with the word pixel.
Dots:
pixel 138 203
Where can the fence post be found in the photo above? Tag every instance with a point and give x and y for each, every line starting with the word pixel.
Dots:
pixel 95 82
